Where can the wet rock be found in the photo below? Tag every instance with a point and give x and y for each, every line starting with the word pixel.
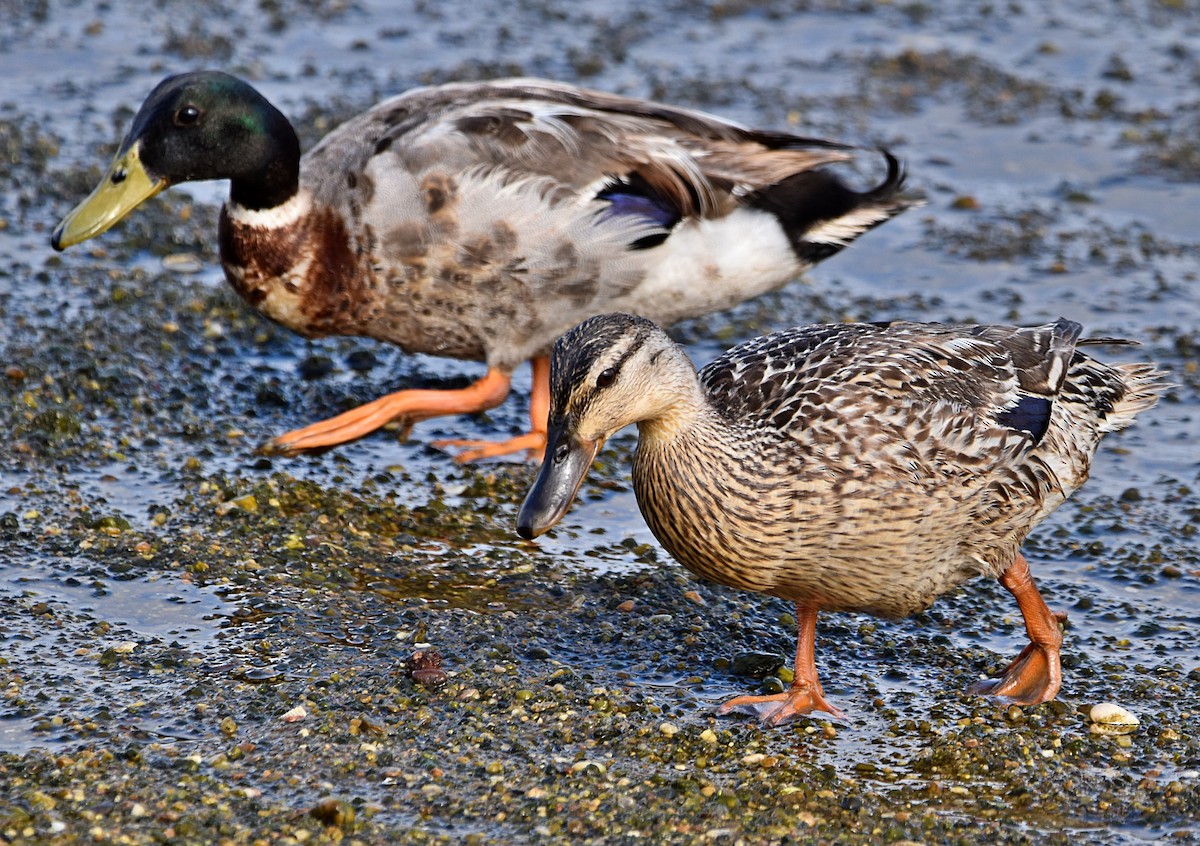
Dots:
pixel 315 367
pixel 755 665
pixel 425 668
pixel 183 263
pixel 295 715
pixel 333 813
pixel 772 685
pixel 361 361
pixel 1111 719
pixel 56 424
pixel 270 396
pixel 110 521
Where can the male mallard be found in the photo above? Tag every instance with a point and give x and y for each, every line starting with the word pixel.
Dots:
pixel 855 467
pixel 481 220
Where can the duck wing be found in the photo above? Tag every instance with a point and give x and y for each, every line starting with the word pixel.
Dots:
pixel 582 140
pixel 524 206
pixel 848 374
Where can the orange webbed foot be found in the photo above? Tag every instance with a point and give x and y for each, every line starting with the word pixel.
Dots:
pixel 346 427
pixel 533 442
pixel 1035 676
pixel 780 708
pixel 805 695
pixel 406 407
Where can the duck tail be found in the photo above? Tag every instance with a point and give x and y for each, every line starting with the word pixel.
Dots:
pixel 821 214
pixel 1143 385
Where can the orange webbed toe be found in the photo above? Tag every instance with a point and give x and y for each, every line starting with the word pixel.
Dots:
pixel 780 708
pixel 1036 674
pixel 532 442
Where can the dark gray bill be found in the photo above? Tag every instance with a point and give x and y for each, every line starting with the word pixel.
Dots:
pixel 568 458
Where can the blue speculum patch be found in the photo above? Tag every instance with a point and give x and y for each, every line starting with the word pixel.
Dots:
pixel 1030 414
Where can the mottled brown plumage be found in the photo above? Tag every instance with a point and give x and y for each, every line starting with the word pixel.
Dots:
pixel 481 220
pixel 860 467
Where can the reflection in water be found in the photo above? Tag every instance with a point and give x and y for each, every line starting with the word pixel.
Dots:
pixel 53 607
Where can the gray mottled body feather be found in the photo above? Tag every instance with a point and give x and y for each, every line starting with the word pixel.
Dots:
pixel 472 227
pixel 858 466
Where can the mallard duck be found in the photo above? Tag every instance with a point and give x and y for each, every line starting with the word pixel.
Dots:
pixel 851 467
pixel 481 220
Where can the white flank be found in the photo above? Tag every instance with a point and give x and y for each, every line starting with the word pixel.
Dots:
pixel 714 264
pixel 274 218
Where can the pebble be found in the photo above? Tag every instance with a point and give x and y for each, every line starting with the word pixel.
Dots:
pixel 1110 718
pixel 361 361
pixel 315 367
pixel 182 263
pixel 755 665
pixel 295 715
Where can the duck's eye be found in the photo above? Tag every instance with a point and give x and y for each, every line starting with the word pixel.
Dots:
pixel 187 116
pixel 561 452
pixel 606 377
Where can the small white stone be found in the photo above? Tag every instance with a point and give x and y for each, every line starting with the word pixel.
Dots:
pixel 182 263
pixel 1110 718
pixel 295 715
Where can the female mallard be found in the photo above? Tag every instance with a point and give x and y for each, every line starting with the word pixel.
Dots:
pixel 855 467
pixel 481 220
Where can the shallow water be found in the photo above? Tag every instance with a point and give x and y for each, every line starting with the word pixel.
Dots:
pixel 121 615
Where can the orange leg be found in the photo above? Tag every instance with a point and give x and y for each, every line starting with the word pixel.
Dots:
pixel 1036 674
pixel 534 440
pixel 805 694
pixel 408 406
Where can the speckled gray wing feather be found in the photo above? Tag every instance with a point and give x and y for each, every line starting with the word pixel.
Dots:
pixel 793 380
pixel 570 135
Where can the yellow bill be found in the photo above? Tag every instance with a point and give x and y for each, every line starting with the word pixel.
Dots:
pixel 124 187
